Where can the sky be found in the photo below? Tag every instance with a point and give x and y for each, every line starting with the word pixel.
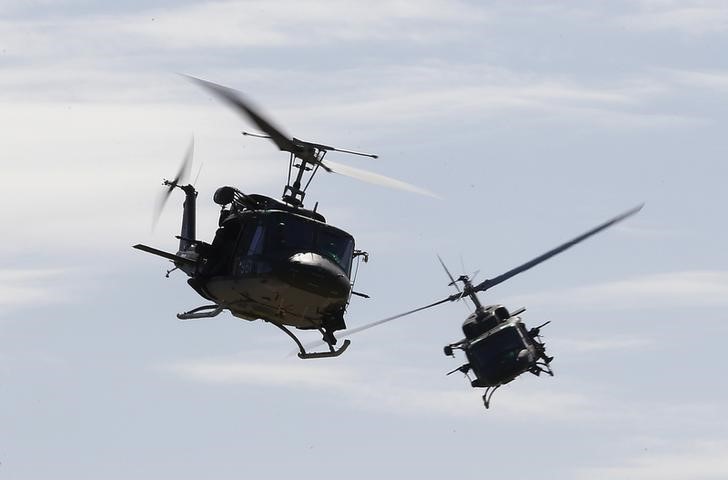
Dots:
pixel 533 121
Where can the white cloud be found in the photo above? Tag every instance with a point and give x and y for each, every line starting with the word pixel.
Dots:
pixel 696 460
pixel 95 150
pixel 350 383
pixel 237 24
pixel 636 229
pixel 716 80
pixel 600 344
pixel 104 161
pixel 31 287
pixel 288 23
pixel 665 290
pixel 403 391
pixel 232 372
pixel 401 96
pixel 394 389
pixel 693 17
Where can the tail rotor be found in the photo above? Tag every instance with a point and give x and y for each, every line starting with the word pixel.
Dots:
pixel 182 174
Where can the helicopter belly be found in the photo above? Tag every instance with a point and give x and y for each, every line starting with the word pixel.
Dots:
pixel 271 299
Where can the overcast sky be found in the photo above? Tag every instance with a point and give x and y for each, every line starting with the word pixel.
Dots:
pixel 534 121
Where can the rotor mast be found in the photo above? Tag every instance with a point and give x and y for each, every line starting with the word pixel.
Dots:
pixel 293 194
pixel 310 157
pixel 470 291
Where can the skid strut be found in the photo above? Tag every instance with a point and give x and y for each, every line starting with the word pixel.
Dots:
pixel 333 352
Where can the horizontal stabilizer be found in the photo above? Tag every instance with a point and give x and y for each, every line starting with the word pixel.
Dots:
pixel 163 254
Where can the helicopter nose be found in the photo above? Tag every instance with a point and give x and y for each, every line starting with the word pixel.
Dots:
pixel 317 274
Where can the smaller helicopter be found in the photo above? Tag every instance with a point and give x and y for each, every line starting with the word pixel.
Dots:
pixel 497 344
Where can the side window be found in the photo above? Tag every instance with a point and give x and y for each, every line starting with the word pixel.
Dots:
pixel 502 314
pixel 336 247
pixel 246 235
pixel 256 244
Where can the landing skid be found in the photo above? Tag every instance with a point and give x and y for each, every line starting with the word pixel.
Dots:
pixel 488 395
pixel 205 311
pixel 333 352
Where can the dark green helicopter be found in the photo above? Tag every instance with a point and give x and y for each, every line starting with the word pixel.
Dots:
pixel 272 260
pixel 497 344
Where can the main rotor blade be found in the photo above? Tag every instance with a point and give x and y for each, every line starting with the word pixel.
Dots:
pixel 235 99
pixel 181 177
pixel 395 317
pixel 378 179
pixel 485 285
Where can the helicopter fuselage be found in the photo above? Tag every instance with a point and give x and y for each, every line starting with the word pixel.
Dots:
pixel 280 264
pixel 305 290
pixel 501 354
pixel 498 347
pixel 269 261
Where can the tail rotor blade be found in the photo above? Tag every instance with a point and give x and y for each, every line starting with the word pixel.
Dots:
pixel 181 177
pixel 186 167
pixel 197 177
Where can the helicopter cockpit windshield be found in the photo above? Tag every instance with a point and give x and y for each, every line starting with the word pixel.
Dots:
pixel 496 357
pixel 291 234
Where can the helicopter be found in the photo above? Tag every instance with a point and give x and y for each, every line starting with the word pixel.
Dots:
pixel 271 260
pixel 497 344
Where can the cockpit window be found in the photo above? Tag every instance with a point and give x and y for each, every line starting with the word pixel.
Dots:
pixel 335 247
pixel 502 346
pixel 288 234
pixel 291 234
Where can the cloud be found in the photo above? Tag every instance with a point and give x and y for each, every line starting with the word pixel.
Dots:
pixel 693 17
pixel 402 391
pixel 20 287
pixel 233 372
pixel 401 96
pixel 292 23
pixel 716 80
pixel 666 290
pixel 103 163
pixel 637 230
pixel 203 26
pixel 107 141
pixel 113 125
pixel 408 391
pixel 696 460
pixel 347 382
pixel 600 344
